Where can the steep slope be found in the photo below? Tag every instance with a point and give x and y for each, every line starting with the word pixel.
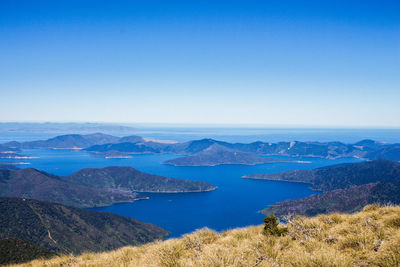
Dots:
pixel 16 250
pixel 32 183
pixel 65 230
pixel 128 178
pixel 368 238
pixel 340 176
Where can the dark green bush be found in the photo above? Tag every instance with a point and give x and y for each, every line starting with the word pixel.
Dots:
pixel 271 227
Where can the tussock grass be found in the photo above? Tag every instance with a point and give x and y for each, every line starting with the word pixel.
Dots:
pixel 368 238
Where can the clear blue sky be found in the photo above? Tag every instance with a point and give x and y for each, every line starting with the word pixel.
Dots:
pixel 309 63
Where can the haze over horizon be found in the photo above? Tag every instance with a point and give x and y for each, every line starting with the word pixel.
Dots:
pixel 305 63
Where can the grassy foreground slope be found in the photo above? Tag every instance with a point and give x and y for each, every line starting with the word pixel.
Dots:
pixel 368 238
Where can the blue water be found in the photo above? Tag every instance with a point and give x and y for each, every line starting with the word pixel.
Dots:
pixel 235 203
pixel 245 135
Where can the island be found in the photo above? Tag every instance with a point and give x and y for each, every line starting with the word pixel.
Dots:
pixel 102 144
pixel 128 178
pixel 92 187
pixel 40 185
pixel 218 155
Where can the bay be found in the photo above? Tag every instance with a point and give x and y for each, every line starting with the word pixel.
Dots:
pixel 235 203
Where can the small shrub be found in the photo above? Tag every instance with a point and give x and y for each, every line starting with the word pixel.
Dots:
pixel 271 227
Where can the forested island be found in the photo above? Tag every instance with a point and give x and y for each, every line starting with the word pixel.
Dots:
pixel 91 187
pixel 209 152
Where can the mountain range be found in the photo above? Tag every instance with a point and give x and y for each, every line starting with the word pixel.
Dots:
pixel 108 145
pixel 217 154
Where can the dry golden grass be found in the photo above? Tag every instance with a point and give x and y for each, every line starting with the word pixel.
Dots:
pixel 367 238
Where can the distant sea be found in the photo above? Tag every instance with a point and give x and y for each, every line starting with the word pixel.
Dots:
pixel 235 203
pixel 244 135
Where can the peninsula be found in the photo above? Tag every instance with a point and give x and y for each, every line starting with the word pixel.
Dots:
pixel 92 187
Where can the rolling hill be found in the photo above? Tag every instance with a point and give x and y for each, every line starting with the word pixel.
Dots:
pixel 128 178
pixel 64 229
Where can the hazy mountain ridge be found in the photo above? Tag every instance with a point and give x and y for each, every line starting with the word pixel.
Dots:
pixel 367 149
pixel 101 143
pixel 217 154
pixel 65 229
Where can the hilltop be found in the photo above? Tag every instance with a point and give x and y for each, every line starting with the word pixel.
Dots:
pixel 63 229
pixel 32 183
pixel 78 141
pixel 91 187
pixel 367 238
pixel 217 154
pixel 128 178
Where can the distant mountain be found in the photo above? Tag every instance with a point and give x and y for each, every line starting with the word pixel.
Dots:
pixel 15 250
pixel 340 176
pixel 96 142
pixel 128 178
pixel 4 166
pixel 389 152
pixel 340 200
pixel 131 139
pixel 66 230
pixel 367 149
pixel 102 144
pixel 132 148
pixel 8 148
pixel 32 183
pixel 72 141
pixel 217 154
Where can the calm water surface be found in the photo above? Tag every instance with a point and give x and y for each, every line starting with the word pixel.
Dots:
pixel 235 203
